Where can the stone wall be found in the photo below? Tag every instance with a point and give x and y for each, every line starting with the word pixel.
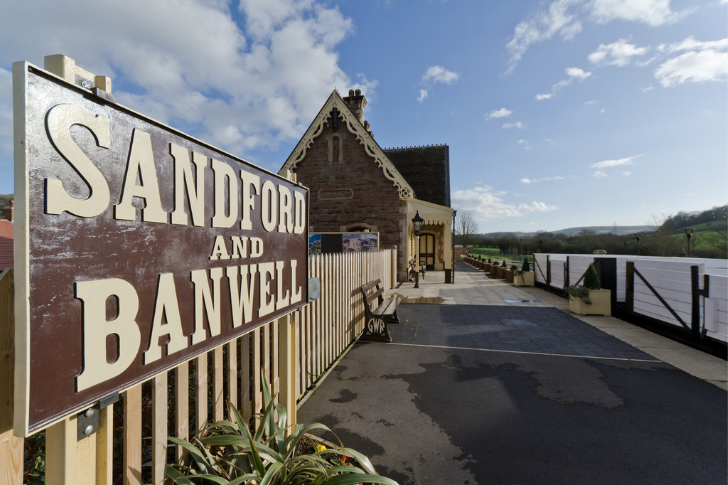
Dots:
pixel 349 191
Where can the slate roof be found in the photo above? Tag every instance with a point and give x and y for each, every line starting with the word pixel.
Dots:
pixel 6 244
pixel 426 169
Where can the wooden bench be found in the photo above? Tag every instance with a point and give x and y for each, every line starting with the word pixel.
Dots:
pixel 376 323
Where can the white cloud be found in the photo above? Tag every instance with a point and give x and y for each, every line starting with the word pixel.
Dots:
pixel 618 53
pixel 543 26
pixel 591 102
pixel 524 144
pixel 517 124
pixel 188 62
pixel 599 174
pixel 704 61
pixel 616 163
pixel 565 17
pixel 577 73
pixel 499 113
pixel 438 74
pixel 650 12
pixel 485 204
pixel 603 110
pixel 544 179
pixel 573 73
pixel 648 88
pixel 423 95
pixel 626 174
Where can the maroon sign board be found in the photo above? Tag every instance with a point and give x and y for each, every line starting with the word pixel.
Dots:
pixel 137 248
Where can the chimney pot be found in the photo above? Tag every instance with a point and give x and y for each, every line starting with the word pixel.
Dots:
pixel 358 92
pixel 10 211
pixel 351 92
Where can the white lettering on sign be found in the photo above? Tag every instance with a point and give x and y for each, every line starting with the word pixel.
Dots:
pixel 141 163
pixel 195 188
pixel 241 281
pixel 224 172
pixel 59 122
pixel 93 294
pixel 166 306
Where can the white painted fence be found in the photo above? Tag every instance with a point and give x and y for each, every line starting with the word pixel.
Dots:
pixel 671 278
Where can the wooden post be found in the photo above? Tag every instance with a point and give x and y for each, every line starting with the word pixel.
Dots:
pixel 182 407
pixel 548 270
pixel 629 288
pixel 695 315
pixel 105 446
pixel 11 448
pixel 159 428
pixel 287 366
pixel 61 453
pixel 132 450
pixel 201 394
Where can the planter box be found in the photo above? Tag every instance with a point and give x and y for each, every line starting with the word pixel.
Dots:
pixel 499 272
pixel 601 304
pixel 508 275
pixel 524 279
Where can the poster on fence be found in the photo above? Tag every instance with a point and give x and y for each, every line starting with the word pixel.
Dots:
pixel 137 247
pixel 342 242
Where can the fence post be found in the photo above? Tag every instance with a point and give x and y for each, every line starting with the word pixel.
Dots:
pixel 61 453
pixel 629 287
pixel 287 366
pixel 11 448
pixel 695 316
pixel 548 270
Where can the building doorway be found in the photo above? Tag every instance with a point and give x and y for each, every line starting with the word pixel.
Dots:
pixel 427 251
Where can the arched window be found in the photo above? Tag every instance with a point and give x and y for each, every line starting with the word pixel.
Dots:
pixel 336 152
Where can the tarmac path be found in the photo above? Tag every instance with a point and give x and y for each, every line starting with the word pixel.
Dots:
pixel 509 394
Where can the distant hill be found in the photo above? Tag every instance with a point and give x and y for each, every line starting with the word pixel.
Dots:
pixel 618 230
pixel 573 231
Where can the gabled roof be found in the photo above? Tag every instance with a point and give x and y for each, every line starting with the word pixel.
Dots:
pixel 6 244
pixel 427 169
pixel 371 147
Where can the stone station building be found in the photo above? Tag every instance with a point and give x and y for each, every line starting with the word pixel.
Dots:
pixel 356 186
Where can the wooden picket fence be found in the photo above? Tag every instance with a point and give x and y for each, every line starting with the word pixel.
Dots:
pixel 293 352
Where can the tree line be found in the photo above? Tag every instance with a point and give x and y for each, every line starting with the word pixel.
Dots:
pixel 666 238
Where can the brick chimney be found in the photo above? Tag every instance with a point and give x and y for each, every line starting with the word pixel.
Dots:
pixel 10 211
pixel 356 102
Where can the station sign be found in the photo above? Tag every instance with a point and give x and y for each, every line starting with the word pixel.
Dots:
pixel 137 247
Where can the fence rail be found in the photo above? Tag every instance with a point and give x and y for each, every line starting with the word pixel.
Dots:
pixel 292 352
pixel 690 293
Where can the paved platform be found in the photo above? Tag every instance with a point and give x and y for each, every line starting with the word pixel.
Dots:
pixel 508 328
pixel 433 416
pixel 481 387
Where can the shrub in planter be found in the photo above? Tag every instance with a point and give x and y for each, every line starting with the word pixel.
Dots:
pixel 526 267
pixel 228 453
pixel 590 299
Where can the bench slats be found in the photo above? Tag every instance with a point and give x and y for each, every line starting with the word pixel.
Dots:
pixel 375 295
pixel 370 285
pixel 387 307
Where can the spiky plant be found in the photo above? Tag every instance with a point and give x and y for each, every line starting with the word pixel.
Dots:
pixel 227 453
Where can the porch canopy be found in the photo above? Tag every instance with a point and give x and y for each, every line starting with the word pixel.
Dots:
pixel 437 217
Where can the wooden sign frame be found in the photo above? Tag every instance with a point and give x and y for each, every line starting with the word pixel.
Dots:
pixel 137 247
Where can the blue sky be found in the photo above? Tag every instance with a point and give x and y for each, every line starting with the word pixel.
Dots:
pixel 558 114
